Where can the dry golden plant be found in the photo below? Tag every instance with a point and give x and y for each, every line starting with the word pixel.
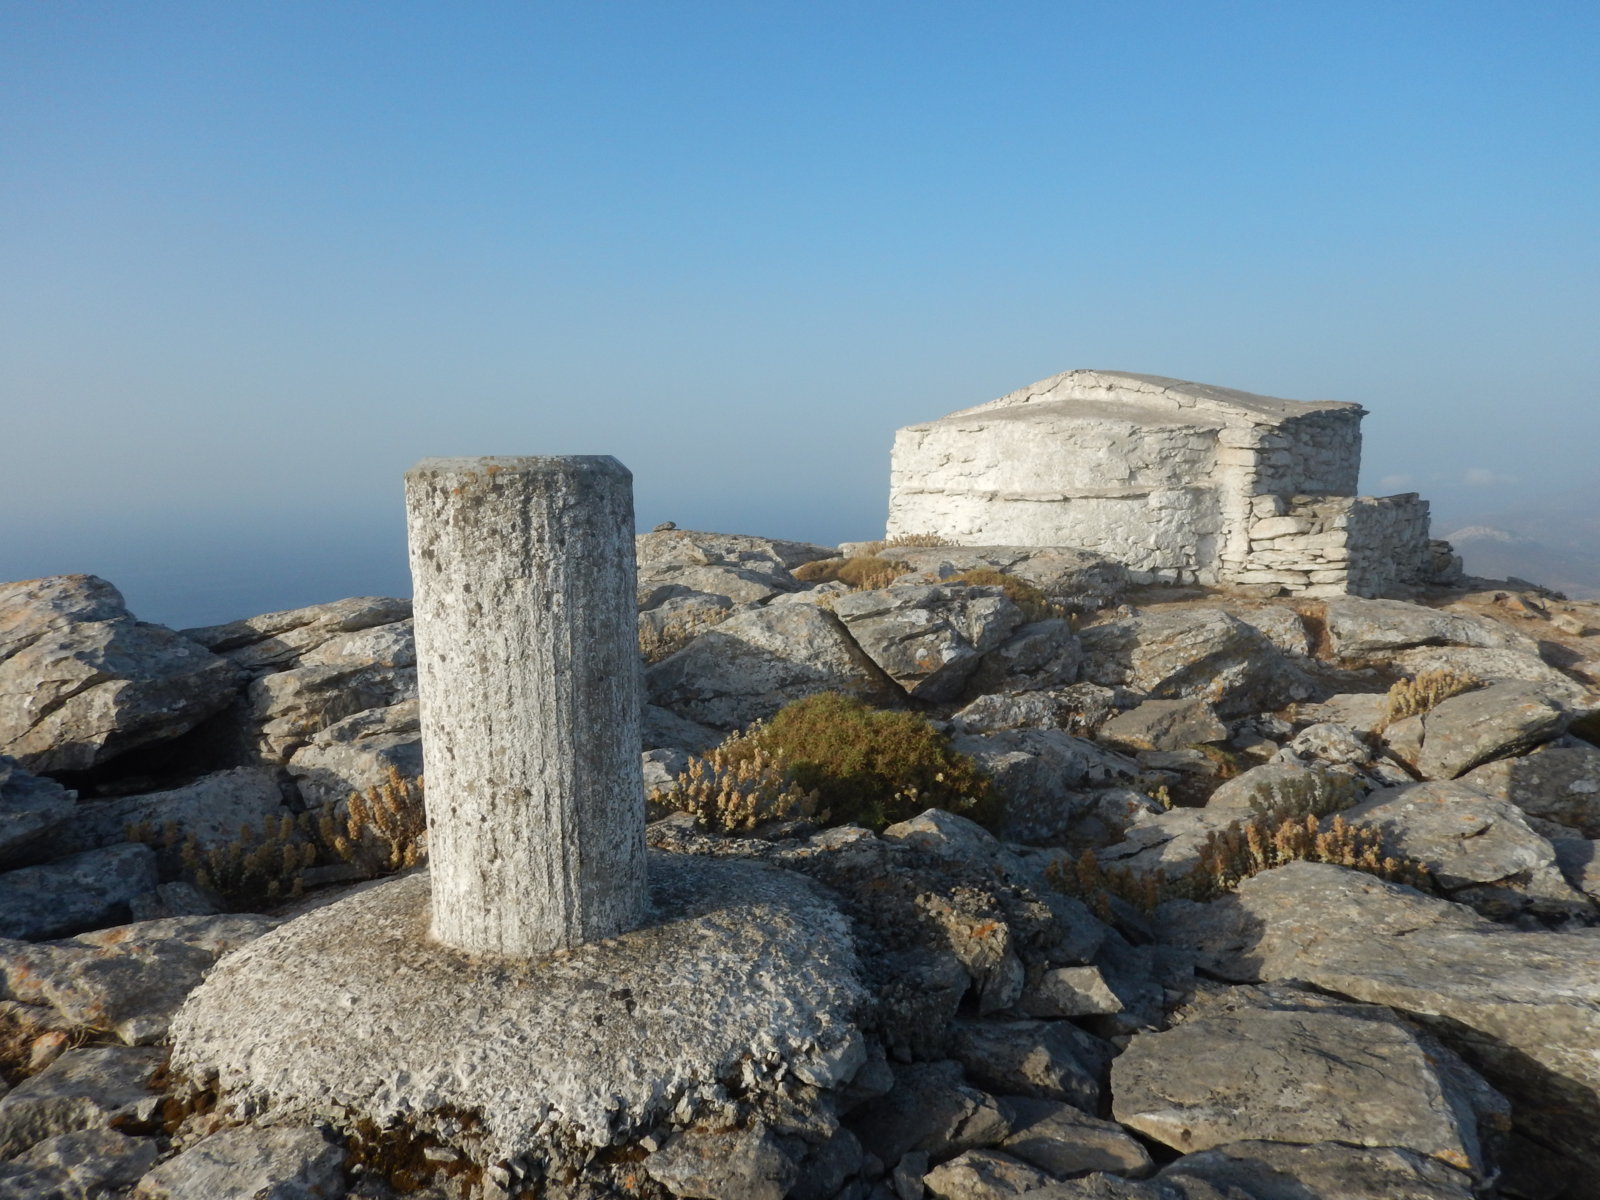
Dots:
pixel 915 539
pixel 737 786
pixel 677 631
pixel 1035 605
pixel 253 872
pixel 864 572
pixel 381 831
pixel 1232 855
pixel 1314 794
pixel 1412 697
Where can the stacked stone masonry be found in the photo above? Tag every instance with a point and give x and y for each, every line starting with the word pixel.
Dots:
pixel 1181 482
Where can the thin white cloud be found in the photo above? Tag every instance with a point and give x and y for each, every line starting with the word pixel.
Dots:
pixel 1396 481
pixel 1483 477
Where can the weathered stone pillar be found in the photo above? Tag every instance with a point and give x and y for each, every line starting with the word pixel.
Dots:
pixel 528 670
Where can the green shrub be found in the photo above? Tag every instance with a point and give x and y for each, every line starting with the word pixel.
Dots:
pixel 871 765
pixel 1035 605
pixel 830 758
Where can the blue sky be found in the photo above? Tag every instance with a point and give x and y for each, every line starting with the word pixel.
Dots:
pixel 256 258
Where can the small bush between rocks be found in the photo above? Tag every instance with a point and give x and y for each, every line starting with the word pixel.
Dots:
pixel 383 827
pixel 917 539
pixel 1413 697
pixel 677 632
pixel 739 786
pixel 1232 855
pixel 840 758
pixel 380 833
pixel 1315 794
pixel 872 765
pixel 1035 605
pixel 864 572
pixel 904 539
pixel 254 872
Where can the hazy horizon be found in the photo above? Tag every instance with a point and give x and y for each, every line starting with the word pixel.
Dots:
pixel 259 258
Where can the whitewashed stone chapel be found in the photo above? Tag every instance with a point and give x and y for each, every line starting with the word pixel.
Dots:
pixel 1182 482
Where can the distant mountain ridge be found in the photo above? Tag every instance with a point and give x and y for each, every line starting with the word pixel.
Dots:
pixel 1555 544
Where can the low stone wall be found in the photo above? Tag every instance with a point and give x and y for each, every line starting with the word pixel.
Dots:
pixel 1389 546
pixel 1336 545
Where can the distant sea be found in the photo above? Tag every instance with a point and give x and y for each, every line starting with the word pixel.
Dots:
pixel 201 568
pixel 190 577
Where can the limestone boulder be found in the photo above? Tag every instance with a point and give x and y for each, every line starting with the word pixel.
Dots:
pixel 674 622
pixel 1045 1060
pixel 1361 711
pixel 93 1087
pixel 1168 841
pixel 662 729
pixel 928 638
pixel 984 1175
pixel 1039 655
pixel 1080 709
pixel 1466 731
pixel 214 811
pixel 318 632
pixel 1043 777
pixel 1283 627
pixel 1559 783
pixel 1332 744
pixel 310 668
pixel 293 1162
pixel 1323 1171
pixel 1275 1065
pixel 724 1164
pixel 1201 653
pixel 1065 1142
pixel 284 710
pixel 1521 1007
pixel 686 576
pixel 31 807
pixel 1163 725
pixel 83 1163
pixel 1579 860
pixel 932 1109
pixel 1478 850
pixel 757 661
pixel 1489 665
pixel 127 980
pixel 721 586
pixel 1360 629
pixel 81 891
pixel 688 547
pixel 1072 992
pixel 957 839
pixel 359 752
pixel 1075 579
pixel 82 681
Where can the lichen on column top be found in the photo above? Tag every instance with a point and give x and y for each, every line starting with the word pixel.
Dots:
pixel 528 675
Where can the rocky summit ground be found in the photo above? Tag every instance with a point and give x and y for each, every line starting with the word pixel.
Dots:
pixel 1277 899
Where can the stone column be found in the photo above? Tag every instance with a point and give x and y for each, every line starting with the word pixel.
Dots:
pixel 528 670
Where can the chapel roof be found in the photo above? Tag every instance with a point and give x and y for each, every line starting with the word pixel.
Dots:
pixel 1156 393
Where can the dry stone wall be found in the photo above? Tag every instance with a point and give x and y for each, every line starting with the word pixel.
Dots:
pixel 1388 544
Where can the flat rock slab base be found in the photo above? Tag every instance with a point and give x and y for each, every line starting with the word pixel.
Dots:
pixel 741 973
